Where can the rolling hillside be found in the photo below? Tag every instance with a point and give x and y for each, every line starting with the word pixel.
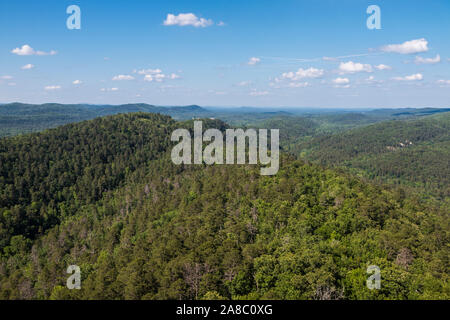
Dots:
pixel 411 152
pixel 104 195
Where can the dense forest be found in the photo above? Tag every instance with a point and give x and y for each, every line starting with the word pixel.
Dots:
pixel 104 195
pixel 414 153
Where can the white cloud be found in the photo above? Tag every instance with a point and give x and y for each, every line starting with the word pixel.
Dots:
pixel 256 93
pixel 420 60
pixel 408 47
pixel 341 81
pixel 353 67
pixel 383 67
pixel 221 24
pixel 109 89
pixel 253 61
pixel 121 77
pixel 27 67
pixel 301 74
pixel 26 50
pixel 6 77
pixel 156 75
pixel 187 19
pixel 77 82
pixel 413 77
pixel 52 88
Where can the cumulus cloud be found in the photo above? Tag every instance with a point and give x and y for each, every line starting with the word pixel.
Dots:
pixel 27 67
pixel 413 77
pixel 420 60
pixel 187 19
pixel 109 89
pixel 341 81
pixel 122 77
pixel 52 88
pixel 6 77
pixel 156 75
pixel 353 67
pixel 253 61
pixel 383 67
pixel 26 50
pixel 301 74
pixel 408 47
pixel 77 82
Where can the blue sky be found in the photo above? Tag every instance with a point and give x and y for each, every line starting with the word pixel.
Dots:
pixel 227 53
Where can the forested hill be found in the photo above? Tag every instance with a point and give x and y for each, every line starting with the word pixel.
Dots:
pixel 410 152
pixel 47 176
pixel 104 195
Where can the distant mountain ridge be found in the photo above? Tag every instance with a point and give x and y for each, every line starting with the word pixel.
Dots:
pixel 16 118
pixel 18 108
